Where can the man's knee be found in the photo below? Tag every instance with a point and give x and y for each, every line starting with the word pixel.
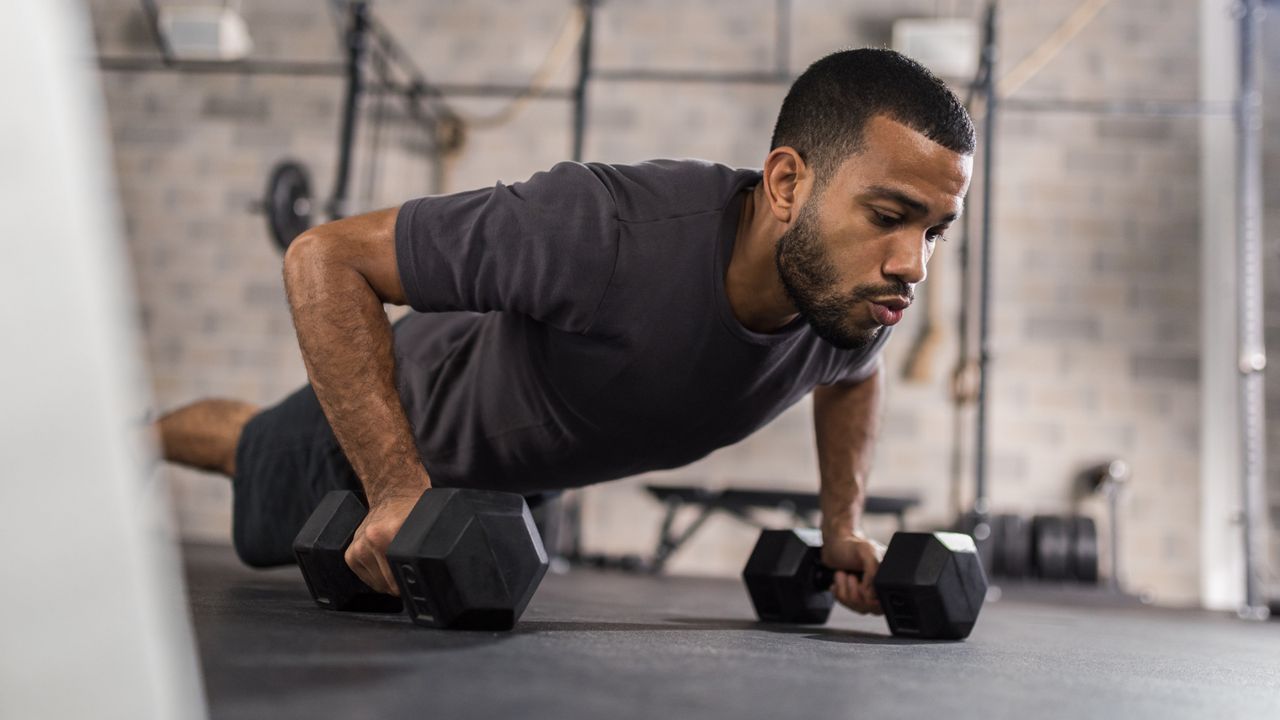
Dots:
pixel 259 552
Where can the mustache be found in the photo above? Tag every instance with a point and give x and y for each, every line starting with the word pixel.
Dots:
pixel 871 292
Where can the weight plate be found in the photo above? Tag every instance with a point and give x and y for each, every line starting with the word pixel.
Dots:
pixel 1051 547
pixel 982 530
pixel 288 202
pixel 1084 549
pixel 1013 554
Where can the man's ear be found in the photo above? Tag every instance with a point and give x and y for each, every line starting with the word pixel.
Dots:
pixel 786 181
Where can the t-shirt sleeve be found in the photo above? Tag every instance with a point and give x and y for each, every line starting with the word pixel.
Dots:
pixel 544 248
pixel 864 364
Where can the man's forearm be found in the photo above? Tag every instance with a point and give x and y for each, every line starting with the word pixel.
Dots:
pixel 846 422
pixel 346 343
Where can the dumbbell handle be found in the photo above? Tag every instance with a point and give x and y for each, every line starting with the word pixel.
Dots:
pixel 824 577
pixel 331 582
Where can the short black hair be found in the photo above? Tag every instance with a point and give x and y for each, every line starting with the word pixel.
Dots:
pixel 828 106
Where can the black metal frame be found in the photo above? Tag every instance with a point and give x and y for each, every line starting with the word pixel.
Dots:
pixel 579 94
pixel 361 36
pixel 363 25
pixel 990 54
pixel 741 503
pixel 356 38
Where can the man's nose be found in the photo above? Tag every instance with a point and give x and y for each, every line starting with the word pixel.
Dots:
pixel 906 260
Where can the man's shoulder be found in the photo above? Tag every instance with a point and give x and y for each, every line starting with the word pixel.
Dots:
pixel 663 189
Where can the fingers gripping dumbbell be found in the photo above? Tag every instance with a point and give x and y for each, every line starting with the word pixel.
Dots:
pixel 930 585
pixel 463 558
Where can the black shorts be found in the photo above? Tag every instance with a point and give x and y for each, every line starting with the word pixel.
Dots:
pixel 287 460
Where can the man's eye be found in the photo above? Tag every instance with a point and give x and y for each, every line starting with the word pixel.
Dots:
pixel 935 236
pixel 883 220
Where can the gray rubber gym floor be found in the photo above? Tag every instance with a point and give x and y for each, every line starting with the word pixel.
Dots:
pixel 595 644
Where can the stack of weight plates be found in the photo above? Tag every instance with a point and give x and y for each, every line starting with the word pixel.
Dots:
pixel 1053 548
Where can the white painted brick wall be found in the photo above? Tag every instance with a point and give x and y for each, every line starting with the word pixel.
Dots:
pixel 1095 297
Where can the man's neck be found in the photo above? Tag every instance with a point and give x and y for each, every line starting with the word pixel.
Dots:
pixel 755 291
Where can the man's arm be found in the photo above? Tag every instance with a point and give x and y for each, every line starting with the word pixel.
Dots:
pixel 846 419
pixel 338 276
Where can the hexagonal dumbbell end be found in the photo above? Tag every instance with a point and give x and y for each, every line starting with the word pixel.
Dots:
pixel 931 585
pixel 785 579
pixel 320 549
pixel 468 559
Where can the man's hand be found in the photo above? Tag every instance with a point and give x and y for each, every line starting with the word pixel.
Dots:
pixel 848 554
pixel 367 554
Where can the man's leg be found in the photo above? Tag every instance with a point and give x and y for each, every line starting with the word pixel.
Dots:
pixel 282 460
pixel 205 433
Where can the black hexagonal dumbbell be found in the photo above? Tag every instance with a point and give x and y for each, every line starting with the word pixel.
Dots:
pixel 320 547
pixel 467 559
pixel 930 585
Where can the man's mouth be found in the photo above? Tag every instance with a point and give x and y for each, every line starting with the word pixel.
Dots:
pixel 888 311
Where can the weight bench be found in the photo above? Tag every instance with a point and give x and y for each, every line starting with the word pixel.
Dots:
pixel 741 503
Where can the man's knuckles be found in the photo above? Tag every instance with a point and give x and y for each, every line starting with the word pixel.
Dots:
pixel 379 535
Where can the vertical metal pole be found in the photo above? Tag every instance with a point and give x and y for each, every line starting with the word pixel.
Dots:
pixel 963 394
pixel 584 74
pixel 568 507
pixel 782 38
pixel 990 52
pixel 153 25
pixel 1253 358
pixel 357 34
pixel 1113 515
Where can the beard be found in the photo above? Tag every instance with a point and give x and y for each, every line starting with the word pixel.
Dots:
pixel 811 283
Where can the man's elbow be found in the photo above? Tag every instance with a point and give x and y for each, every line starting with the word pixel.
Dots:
pixel 304 255
pixel 309 263
pixel 356 251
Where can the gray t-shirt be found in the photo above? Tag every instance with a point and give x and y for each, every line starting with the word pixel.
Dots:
pixel 574 328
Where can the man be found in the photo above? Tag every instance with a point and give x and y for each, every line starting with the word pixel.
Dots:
pixel 600 321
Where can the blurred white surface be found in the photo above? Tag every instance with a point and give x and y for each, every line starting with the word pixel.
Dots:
pixel 92 616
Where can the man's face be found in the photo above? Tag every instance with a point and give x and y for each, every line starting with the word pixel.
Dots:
pixel 858 247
